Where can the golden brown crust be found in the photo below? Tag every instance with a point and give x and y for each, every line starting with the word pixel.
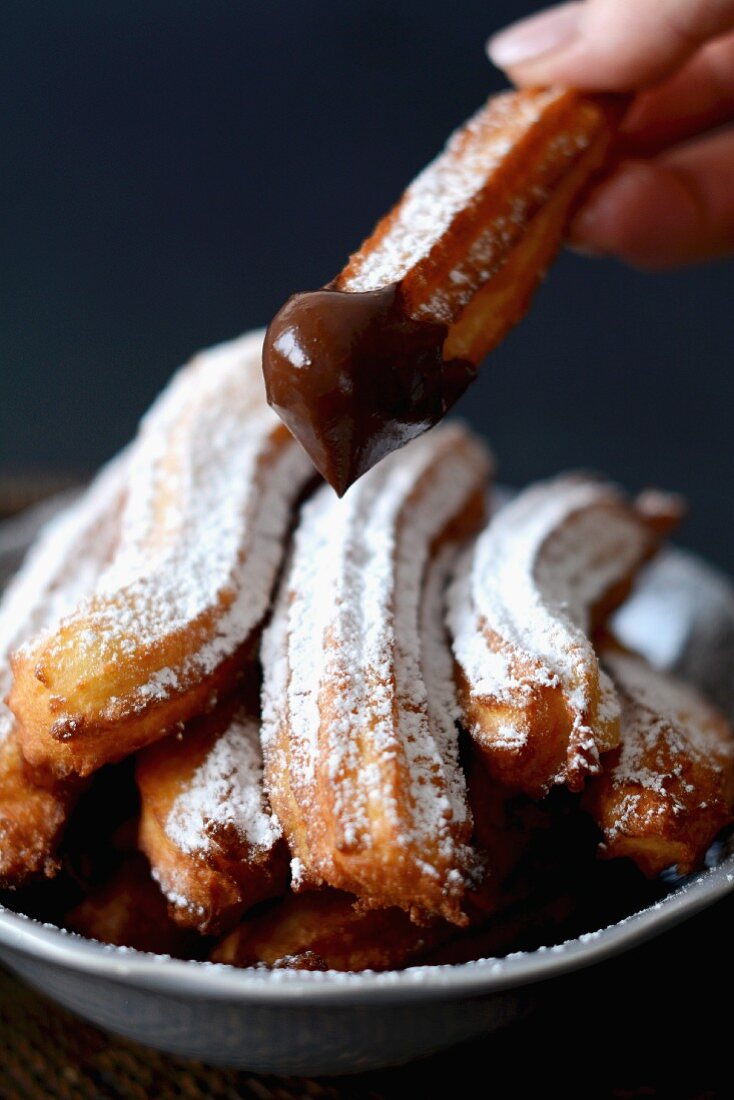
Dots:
pixel 547 570
pixel 76 733
pixel 527 154
pixel 32 818
pixel 210 886
pixel 531 761
pixel 505 298
pixel 668 789
pixel 328 930
pixel 130 911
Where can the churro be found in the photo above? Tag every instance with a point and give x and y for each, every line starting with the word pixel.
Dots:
pixel 546 570
pixel 173 620
pixel 668 789
pixel 215 848
pixel 361 753
pixel 382 352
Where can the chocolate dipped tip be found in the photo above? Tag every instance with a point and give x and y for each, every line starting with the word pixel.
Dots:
pixel 354 377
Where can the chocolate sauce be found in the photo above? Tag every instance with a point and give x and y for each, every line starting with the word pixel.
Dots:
pixel 354 377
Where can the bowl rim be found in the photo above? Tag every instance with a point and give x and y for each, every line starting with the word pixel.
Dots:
pixel 45 943
pixel 482 977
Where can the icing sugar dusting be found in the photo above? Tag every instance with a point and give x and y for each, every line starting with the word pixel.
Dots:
pixel 347 654
pixel 437 670
pixel 665 725
pixel 212 481
pixel 519 605
pixel 226 790
pixel 443 189
pixel 61 568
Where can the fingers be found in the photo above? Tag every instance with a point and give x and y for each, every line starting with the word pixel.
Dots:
pixel 697 98
pixel 612 45
pixel 663 213
pixel 678 207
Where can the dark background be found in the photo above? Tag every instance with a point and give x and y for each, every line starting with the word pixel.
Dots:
pixel 173 170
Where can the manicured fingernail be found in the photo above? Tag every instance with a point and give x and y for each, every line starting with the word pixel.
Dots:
pixel 531 38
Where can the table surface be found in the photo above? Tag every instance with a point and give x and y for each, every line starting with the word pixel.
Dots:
pixel 653 1023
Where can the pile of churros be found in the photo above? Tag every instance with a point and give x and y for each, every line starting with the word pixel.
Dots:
pixel 251 721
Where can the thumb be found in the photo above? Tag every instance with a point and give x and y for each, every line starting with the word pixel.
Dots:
pixel 609 45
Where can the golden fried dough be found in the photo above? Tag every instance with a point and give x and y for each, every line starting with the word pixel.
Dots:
pixel 214 847
pixel 130 911
pixel 546 569
pixel 32 819
pixel 360 745
pixel 173 619
pixel 668 788
pixel 61 567
pixel 327 930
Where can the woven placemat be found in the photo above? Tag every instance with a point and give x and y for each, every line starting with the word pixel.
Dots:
pixel 48 1054
pixel 644 1026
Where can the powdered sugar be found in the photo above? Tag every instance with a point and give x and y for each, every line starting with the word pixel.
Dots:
pixel 442 190
pixel 437 671
pixel 61 567
pixel 174 897
pixel 456 224
pixel 519 606
pixel 212 480
pixel 226 791
pixel 346 654
pixel 665 724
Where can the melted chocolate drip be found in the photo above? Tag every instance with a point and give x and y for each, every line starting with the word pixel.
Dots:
pixel 354 377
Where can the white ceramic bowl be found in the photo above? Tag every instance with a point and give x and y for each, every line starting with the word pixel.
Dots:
pixel 315 1023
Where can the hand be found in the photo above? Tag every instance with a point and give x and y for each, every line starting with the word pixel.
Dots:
pixel 671 200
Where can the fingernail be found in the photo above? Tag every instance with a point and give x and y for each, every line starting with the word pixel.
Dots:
pixel 531 38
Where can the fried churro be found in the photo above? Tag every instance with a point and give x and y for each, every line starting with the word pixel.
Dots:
pixel 360 746
pixel 668 789
pixel 173 620
pixel 547 569
pixel 63 566
pixel 382 352
pixel 215 848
